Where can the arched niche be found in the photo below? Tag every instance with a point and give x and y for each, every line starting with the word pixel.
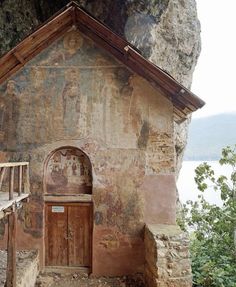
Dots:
pixel 68 172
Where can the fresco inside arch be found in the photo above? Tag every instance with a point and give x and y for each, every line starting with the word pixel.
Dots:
pixel 72 89
pixel 68 172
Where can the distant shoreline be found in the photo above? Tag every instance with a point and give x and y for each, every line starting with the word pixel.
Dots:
pixel 201 159
pixel 208 136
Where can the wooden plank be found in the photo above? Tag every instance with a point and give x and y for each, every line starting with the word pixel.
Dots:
pixel 5 203
pixel 11 71
pixel 48 41
pixel 79 234
pixel 101 42
pixel 44 33
pixel 67 270
pixel 39 32
pixel 26 183
pixel 179 113
pixel 11 183
pixel 56 236
pixel 170 84
pixel 11 251
pixel 155 73
pixel 74 16
pixel 68 198
pixel 189 100
pixel 7 64
pixel 19 57
pixel 36 51
pixel 178 119
pixel 181 107
pixel 27 180
pixel 20 173
pixel 10 63
pixel 11 164
pixel 100 29
pixel 3 171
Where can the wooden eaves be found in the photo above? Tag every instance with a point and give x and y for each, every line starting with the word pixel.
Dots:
pixel 184 101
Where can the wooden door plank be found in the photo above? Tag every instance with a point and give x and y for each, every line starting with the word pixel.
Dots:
pixel 26 182
pixel 57 236
pixel 79 231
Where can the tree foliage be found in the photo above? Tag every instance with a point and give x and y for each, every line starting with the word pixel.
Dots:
pixel 213 228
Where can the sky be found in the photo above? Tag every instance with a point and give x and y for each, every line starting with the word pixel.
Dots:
pixel 214 78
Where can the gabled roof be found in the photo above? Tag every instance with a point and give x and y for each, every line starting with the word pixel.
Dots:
pixel 184 101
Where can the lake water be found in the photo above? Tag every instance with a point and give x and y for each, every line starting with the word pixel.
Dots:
pixel 187 186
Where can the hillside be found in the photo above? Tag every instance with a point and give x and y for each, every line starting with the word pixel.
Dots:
pixel 207 136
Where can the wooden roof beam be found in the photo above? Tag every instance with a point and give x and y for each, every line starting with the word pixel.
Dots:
pixel 19 57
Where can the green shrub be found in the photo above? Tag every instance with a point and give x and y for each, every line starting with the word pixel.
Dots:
pixel 213 228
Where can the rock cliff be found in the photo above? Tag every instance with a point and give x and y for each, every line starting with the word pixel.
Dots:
pixel 167 32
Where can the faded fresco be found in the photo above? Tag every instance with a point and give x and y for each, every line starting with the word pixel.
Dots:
pixel 74 94
pixel 68 172
pixel 73 89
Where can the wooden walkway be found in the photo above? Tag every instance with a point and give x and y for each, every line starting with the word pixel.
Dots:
pixel 14 189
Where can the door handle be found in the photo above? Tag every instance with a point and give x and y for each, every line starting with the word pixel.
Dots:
pixel 70 232
pixel 69 235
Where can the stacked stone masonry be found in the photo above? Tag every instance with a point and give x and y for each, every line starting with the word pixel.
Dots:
pixel 167 257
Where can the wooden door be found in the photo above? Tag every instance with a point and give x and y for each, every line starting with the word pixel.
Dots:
pixel 68 234
pixel 56 234
pixel 79 230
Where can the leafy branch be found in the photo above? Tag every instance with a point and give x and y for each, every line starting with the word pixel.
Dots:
pixel 214 227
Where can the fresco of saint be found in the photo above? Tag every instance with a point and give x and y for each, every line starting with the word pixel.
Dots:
pixel 71 101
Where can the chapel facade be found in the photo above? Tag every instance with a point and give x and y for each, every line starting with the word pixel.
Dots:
pixel 95 121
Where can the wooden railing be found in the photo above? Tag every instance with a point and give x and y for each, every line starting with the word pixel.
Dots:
pixel 23 177
pixel 14 189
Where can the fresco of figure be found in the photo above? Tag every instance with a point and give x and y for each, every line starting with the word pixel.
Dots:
pixel 33 123
pixel 42 103
pixel 9 114
pixel 72 42
pixel 71 101
pixel 110 93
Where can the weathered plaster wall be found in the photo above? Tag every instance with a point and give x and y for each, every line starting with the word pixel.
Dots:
pixel 75 94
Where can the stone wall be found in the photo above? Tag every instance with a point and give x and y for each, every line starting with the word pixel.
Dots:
pixel 167 258
pixel 27 268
